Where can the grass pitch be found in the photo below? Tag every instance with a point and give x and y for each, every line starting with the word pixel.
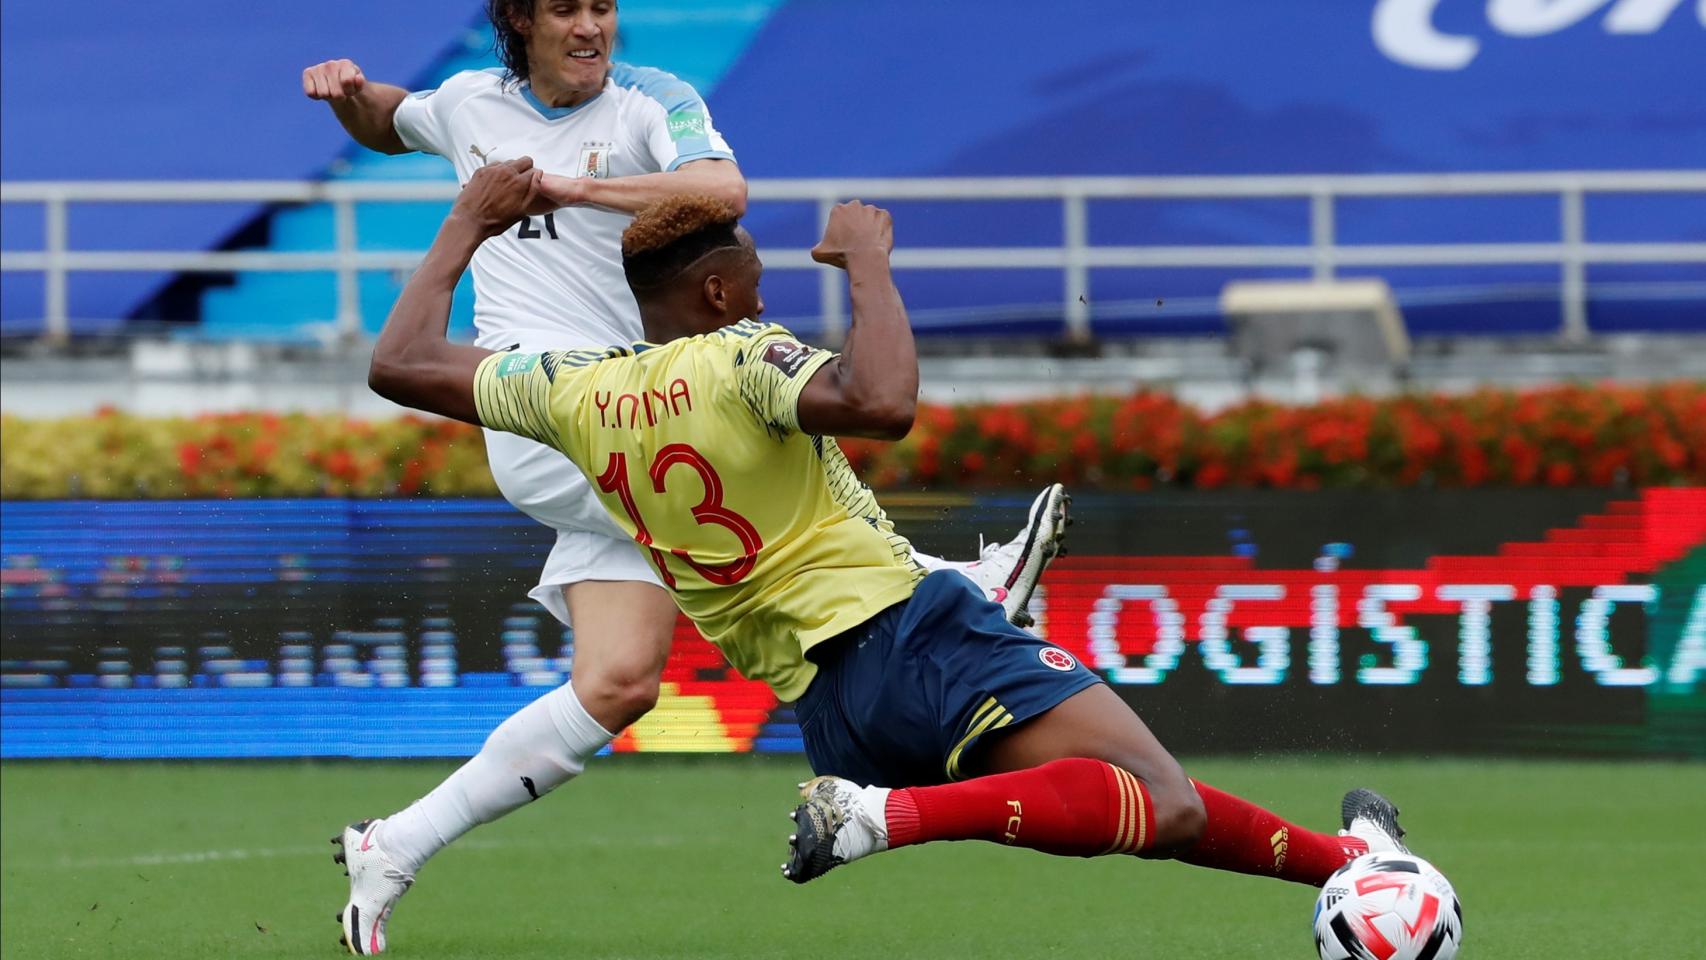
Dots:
pixel 648 858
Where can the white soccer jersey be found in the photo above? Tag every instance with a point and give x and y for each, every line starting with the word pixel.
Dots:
pixel 557 280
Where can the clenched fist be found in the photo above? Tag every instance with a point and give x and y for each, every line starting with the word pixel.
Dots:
pixel 499 194
pixel 854 228
pixel 333 80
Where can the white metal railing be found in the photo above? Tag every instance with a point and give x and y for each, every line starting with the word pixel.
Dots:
pixel 1075 256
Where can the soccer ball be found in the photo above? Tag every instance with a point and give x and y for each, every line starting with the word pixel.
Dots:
pixel 1388 906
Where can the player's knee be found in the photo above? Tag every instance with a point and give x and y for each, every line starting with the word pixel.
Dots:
pixel 1179 819
pixel 618 697
pixel 635 696
pixel 1179 814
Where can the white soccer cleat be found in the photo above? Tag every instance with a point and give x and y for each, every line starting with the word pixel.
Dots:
pixel 838 823
pixel 1008 572
pixel 1373 819
pixel 375 886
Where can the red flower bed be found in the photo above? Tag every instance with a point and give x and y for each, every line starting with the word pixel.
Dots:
pixel 1561 436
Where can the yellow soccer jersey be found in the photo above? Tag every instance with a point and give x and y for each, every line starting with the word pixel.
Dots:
pixel 764 534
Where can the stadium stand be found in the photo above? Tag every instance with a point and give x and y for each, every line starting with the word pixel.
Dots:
pixel 1227 87
pixel 1117 89
pixel 196 107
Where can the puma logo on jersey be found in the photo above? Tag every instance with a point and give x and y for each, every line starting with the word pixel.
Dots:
pixel 479 154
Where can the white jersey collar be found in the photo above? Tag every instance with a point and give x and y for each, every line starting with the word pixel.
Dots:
pixel 558 113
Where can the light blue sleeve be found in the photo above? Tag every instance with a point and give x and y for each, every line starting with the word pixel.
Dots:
pixel 678 129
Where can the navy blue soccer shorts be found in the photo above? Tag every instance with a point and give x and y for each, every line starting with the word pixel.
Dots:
pixel 901 700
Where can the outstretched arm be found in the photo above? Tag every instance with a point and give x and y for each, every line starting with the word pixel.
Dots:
pixel 367 110
pixel 414 364
pixel 871 389
pixel 719 178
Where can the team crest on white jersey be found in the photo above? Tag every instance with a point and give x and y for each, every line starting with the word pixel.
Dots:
pixel 595 160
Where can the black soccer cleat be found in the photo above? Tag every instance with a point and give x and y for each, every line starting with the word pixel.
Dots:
pixel 811 847
pixel 1372 818
pixel 837 822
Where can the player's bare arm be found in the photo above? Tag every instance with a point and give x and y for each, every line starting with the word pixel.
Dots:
pixel 712 177
pixel 414 363
pixel 365 108
pixel 871 389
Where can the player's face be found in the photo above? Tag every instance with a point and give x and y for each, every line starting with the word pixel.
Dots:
pixel 733 288
pixel 745 302
pixel 568 48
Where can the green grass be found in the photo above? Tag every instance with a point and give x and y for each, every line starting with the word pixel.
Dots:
pixel 662 858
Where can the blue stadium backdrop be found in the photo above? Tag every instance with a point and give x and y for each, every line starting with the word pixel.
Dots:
pixel 995 87
pixel 1562 621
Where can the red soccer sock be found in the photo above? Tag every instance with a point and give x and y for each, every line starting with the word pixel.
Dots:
pixel 1075 807
pixel 1244 838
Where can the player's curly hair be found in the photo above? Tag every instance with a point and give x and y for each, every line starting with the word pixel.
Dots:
pixel 672 234
pixel 511 43
pixel 672 218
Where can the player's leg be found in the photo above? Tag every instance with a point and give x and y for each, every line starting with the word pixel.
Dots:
pixel 911 700
pixel 1163 813
pixel 1008 572
pixel 1070 783
pixel 623 630
pixel 1192 821
pixel 624 623
pixel 1064 781
pixel 1068 767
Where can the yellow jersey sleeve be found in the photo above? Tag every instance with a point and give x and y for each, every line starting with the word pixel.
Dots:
pixel 771 368
pixel 512 392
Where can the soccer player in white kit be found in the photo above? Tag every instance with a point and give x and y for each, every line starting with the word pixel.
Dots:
pixel 613 138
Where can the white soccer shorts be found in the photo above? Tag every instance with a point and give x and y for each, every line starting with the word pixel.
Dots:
pixel 548 487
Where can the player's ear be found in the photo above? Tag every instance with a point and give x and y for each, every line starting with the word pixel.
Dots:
pixel 716 293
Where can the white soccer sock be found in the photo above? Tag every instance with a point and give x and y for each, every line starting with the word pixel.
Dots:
pixel 540 747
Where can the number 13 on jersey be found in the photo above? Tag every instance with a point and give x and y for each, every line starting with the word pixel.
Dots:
pixel 710 510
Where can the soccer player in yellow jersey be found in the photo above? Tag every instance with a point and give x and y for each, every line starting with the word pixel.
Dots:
pixel 925 713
